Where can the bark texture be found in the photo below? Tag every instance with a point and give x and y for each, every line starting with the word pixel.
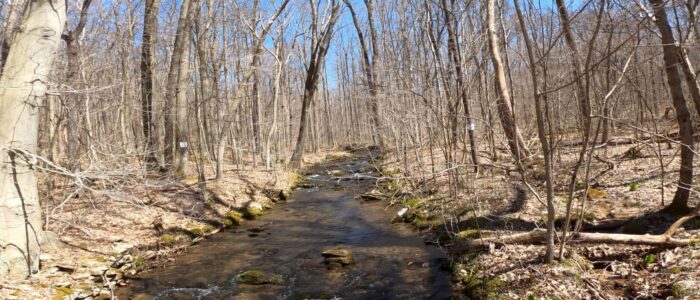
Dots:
pixel 673 57
pixel 23 86
pixel 150 134
pixel 175 147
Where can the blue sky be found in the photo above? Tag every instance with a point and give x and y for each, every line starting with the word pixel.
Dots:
pixel 344 33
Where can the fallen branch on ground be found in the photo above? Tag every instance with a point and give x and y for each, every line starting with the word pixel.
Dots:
pixel 538 236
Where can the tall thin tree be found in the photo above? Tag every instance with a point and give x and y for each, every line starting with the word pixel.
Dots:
pixel 148 45
pixel 505 112
pixel 175 147
pixel 319 46
pixel 71 37
pixel 673 57
pixel 370 67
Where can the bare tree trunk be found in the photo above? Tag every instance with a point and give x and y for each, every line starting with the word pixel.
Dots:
pixel 148 45
pixel 201 149
pixel 73 78
pixel 180 49
pixel 23 86
pixel 73 106
pixel 374 103
pixel 318 55
pixel 541 133
pixel 370 68
pixel 453 50
pixel 275 98
pixel 581 78
pixel 505 111
pixel 224 110
pixel 673 57
pixel 255 72
pixel 181 97
pixel 691 82
pixel 255 97
pixel 207 92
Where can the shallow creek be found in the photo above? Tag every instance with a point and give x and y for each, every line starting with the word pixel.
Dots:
pixel 391 261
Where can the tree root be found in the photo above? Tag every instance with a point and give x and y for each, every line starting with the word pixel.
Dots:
pixel 678 223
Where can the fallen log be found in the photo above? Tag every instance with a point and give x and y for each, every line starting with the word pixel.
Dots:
pixel 607 224
pixel 630 239
pixel 539 236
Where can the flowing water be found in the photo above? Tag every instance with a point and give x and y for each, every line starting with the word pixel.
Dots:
pixel 391 261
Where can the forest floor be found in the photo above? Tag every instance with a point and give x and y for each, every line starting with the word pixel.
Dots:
pixel 103 236
pixel 626 184
pixel 99 237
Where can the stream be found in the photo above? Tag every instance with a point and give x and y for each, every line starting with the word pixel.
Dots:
pixel 391 261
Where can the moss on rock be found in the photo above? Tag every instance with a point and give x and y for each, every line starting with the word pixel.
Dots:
pixel 234 217
pixel 139 263
pixel 257 277
pixel 337 257
pixel 577 260
pixel 253 210
pixel 174 239
pixel 202 230
pixel 472 234
pixel 297 180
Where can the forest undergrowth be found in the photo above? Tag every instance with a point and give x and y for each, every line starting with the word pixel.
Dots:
pixel 628 190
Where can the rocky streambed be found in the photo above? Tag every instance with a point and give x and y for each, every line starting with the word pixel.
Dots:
pixel 324 242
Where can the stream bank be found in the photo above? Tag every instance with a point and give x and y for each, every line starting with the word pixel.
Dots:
pixel 325 242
